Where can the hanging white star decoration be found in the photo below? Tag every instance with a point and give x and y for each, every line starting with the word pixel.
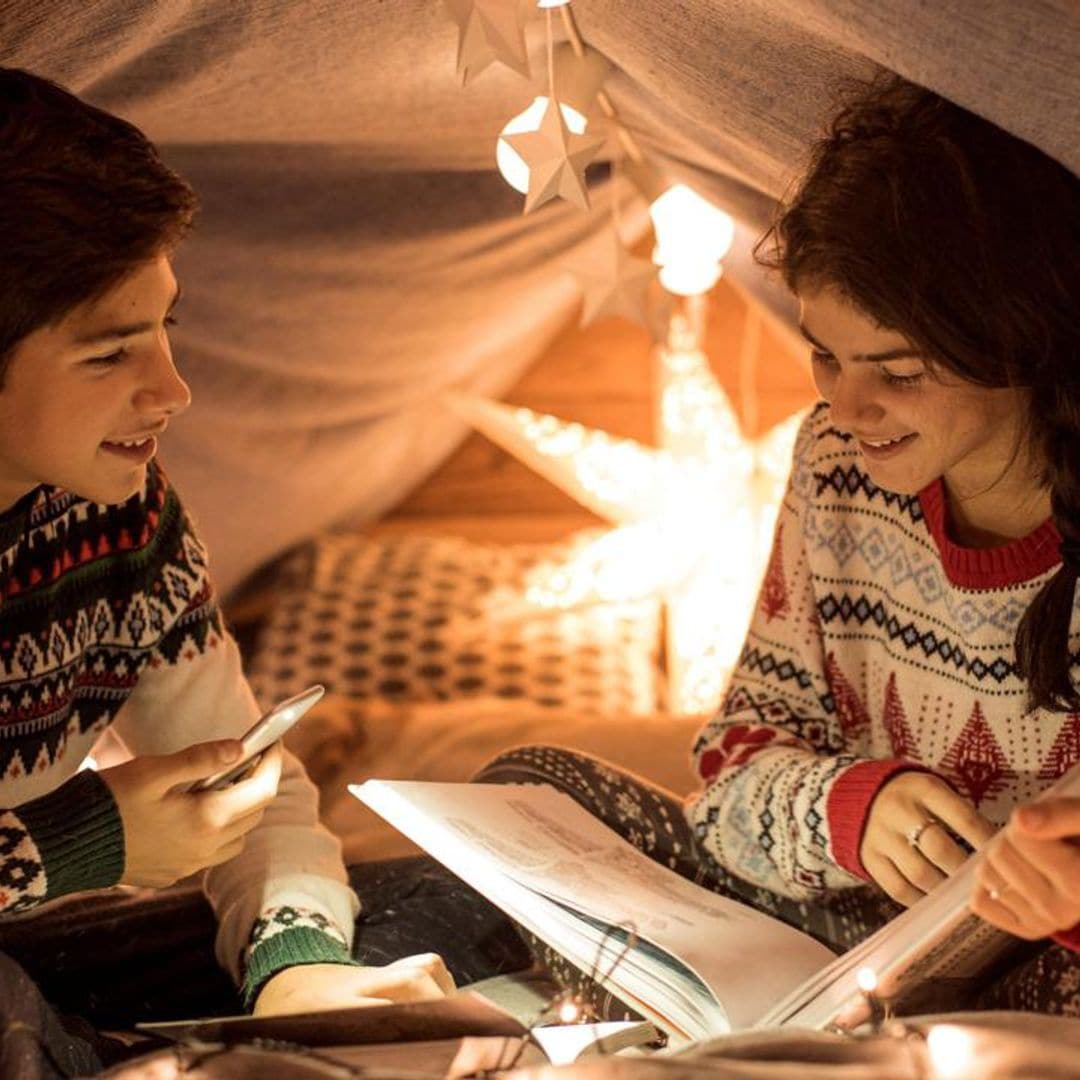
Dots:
pixel 694 518
pixel 556 159
pixel 614 282
pixel 489 31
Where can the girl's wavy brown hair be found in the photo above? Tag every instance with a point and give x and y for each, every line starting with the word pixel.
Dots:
pixel 964 238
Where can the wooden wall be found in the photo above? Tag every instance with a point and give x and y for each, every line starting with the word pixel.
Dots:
pixel 602 377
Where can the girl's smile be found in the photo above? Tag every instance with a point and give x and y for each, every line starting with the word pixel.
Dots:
pixel 914 422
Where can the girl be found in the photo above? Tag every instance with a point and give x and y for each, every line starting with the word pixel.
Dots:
pixel 907 678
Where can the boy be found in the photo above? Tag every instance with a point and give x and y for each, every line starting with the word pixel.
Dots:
pixel 107 613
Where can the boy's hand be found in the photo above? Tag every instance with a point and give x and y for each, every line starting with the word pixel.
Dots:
pixel 903 806
pixel 1029 881
pixel 317 987
pixel 169 832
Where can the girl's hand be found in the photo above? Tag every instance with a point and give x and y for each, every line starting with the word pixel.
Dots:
pixel 1029 880
pixel 905 848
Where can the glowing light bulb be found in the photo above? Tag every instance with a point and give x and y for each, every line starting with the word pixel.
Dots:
pixel 952 1052
pixel 692 236
pixel 569 1012
pixel 514 170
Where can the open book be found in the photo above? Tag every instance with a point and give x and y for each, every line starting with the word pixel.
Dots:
pixel 694 963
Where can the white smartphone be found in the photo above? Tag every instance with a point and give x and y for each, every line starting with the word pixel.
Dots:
pixel 262 735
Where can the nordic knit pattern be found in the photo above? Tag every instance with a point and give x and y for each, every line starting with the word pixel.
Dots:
pixel 107 617
pixel 877 645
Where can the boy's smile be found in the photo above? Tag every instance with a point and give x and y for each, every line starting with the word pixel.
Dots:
pixel 83 401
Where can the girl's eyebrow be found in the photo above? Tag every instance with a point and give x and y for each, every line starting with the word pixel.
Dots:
pixel 904 352
pixel 98 337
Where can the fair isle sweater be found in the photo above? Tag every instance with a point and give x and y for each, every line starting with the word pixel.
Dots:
pixel 108 618
pixel 877 645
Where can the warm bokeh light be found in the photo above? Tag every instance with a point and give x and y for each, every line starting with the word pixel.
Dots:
pixel 952 1052
pixel 514 170
pixel 692 236
pixel 695 518
pixel 866 979
pixel 569 1013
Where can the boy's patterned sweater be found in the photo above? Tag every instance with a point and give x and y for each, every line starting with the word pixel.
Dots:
pixel 877 645
pixel 107 617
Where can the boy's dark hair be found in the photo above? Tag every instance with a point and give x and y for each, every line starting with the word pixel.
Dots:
pixel 84 199
pixel 940 225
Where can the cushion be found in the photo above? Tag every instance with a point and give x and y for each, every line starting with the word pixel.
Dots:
pixel 415 619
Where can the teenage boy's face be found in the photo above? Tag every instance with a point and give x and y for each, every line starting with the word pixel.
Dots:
pixel 83 401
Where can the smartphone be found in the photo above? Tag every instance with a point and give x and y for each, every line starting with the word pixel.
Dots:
pixel 263 734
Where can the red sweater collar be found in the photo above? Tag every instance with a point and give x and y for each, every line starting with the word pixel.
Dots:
pixel 989 568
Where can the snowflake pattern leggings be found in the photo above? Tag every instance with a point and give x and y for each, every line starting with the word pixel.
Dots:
pixel 1041 978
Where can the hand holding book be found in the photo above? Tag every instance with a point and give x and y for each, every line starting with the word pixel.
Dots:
pixel 1029 880
pixel 909 846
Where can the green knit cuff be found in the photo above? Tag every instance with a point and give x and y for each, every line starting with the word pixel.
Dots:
pixel 288 948
pixel 78 834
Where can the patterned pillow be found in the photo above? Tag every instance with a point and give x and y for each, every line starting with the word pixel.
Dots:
pixel 416 618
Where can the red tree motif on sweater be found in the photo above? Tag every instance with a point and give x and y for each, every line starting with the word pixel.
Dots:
pixel 738 745
pixel 976 761
pixel 896 725
pixel 774 593
pixel 854 719
pixel 1066 750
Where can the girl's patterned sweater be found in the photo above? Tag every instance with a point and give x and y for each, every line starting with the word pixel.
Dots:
pixel 877 645
pixel 107 617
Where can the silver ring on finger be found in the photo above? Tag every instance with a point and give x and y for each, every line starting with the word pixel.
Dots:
pixel 914 834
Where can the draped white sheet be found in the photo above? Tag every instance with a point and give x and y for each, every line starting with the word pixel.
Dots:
pixel 357 254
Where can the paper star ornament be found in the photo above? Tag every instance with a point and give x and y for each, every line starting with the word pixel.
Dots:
pixel 614 282
pixel 489 31
pixel 556 159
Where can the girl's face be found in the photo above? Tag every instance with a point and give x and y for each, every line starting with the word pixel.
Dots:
pixel 912 423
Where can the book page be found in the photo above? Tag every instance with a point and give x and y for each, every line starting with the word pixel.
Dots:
pixel 565 1043
pixel 541 838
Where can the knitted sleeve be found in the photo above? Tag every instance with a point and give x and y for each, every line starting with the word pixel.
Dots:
pixel 284 900
pixel 66 841
pixel 784 796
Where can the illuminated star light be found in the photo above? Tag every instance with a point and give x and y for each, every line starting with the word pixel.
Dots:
pixel 695 517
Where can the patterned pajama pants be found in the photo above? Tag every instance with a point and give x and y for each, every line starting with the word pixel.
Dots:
pixel 1039 978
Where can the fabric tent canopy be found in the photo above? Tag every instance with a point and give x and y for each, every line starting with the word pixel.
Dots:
pixel 357 254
